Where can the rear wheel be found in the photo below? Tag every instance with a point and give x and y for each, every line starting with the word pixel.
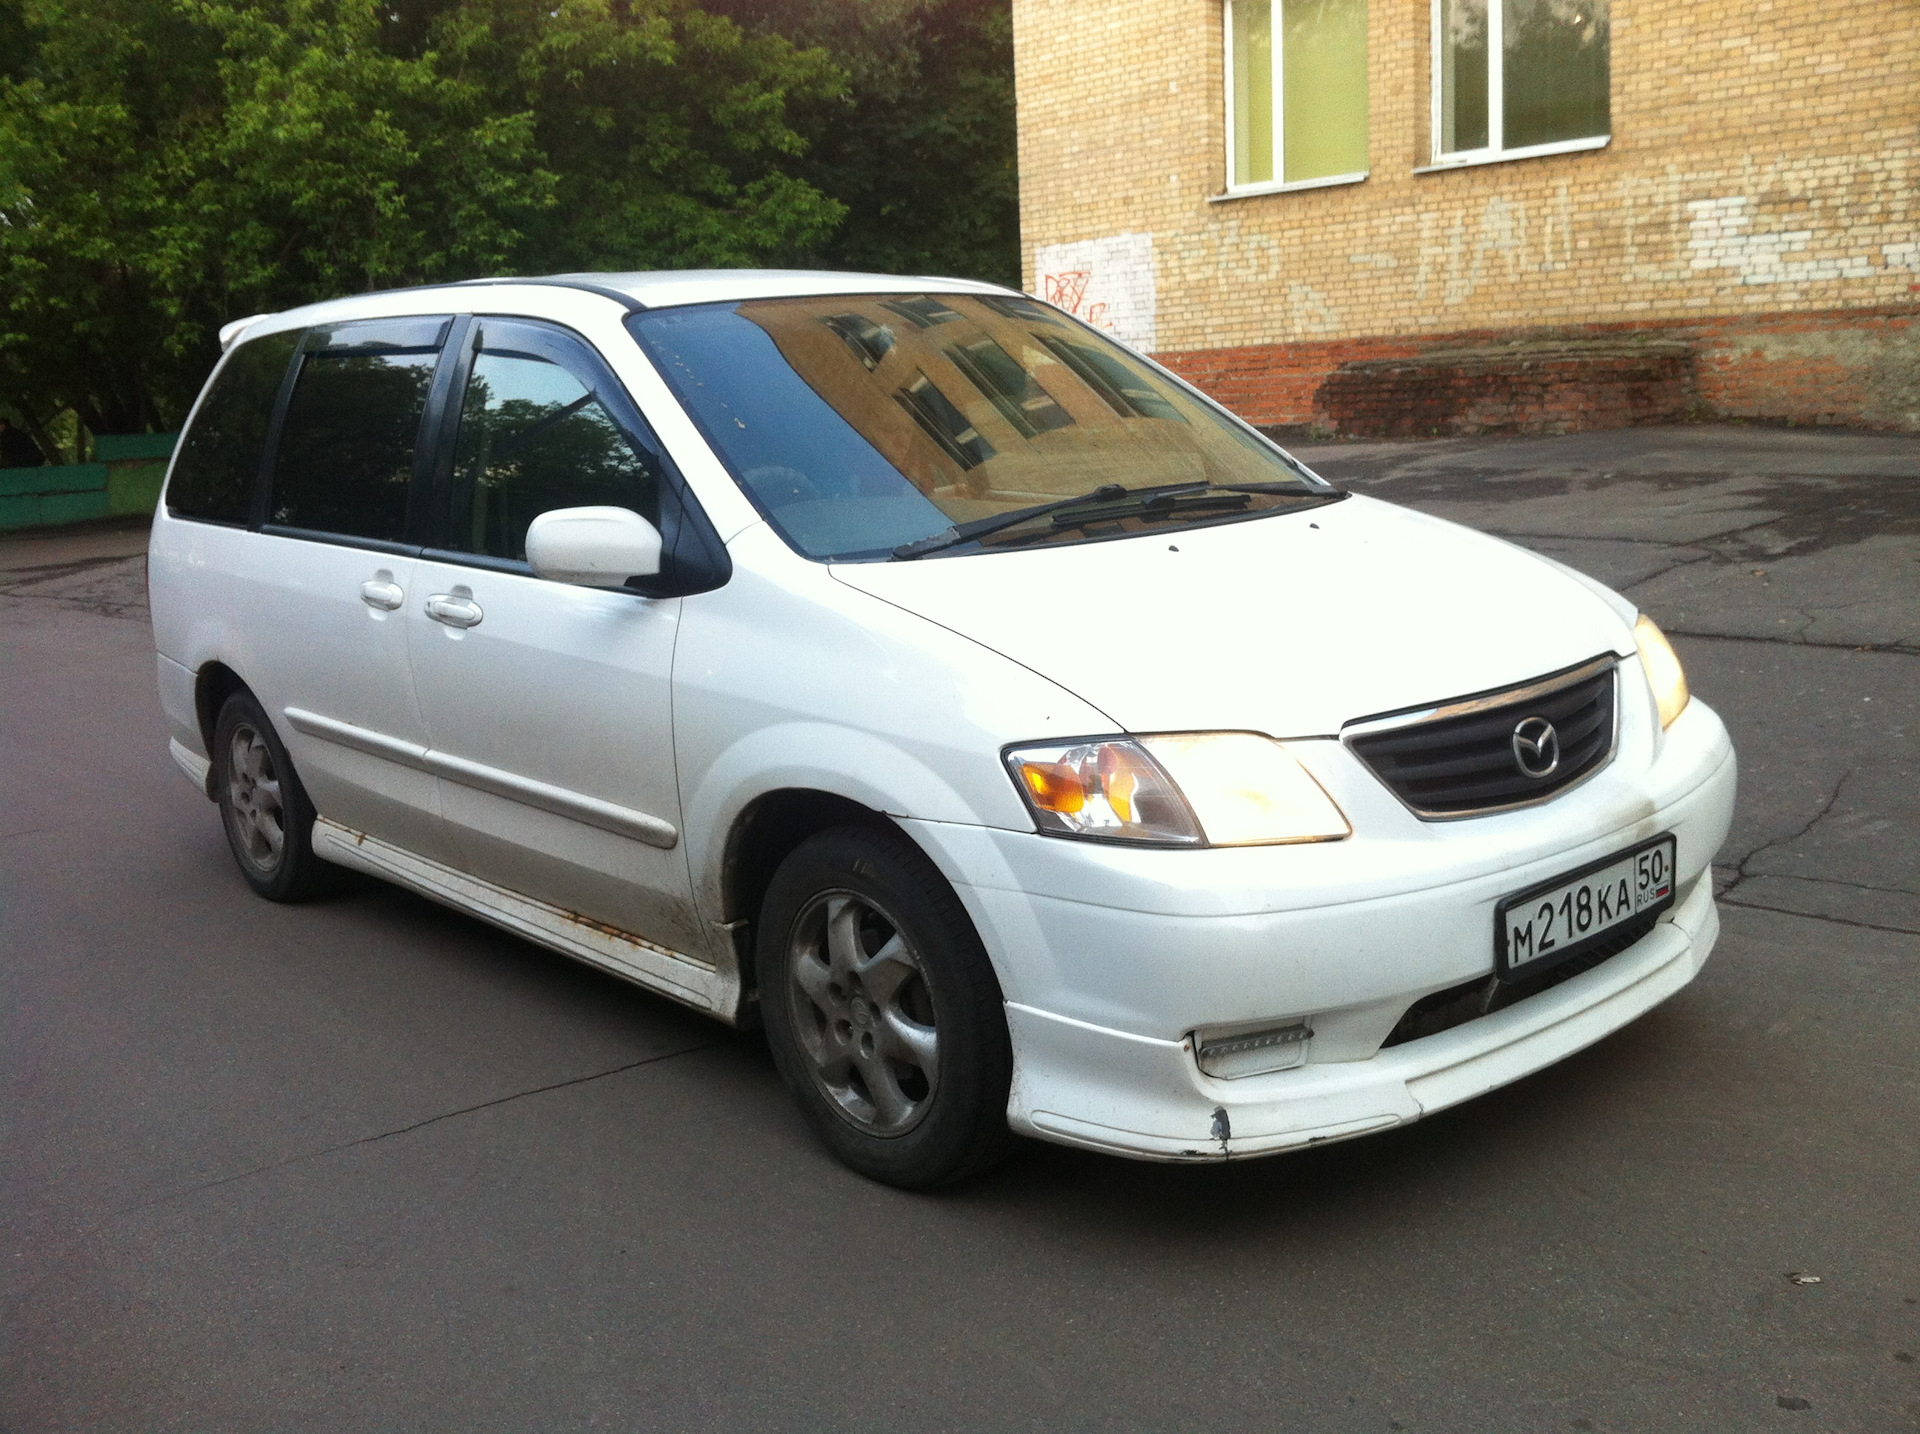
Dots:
pixel 265 810
pixel 882 1010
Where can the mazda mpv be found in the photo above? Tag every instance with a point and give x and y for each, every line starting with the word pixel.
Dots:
pixel 1026 743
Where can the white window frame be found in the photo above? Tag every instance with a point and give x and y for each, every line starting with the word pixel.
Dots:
pixel 1495 151
pixel 1277 47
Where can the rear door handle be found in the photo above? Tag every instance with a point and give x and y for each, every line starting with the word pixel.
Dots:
pixel 382 593
pixel 455 609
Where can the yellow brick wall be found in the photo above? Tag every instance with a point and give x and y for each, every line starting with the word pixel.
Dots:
pixel 1764 159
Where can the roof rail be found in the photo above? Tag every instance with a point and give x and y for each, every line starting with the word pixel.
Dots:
pixel 626 301
pixel 232 330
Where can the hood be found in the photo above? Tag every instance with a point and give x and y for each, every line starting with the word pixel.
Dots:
pixel 1290 625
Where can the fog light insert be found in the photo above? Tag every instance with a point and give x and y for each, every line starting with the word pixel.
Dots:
pixel 1278 1048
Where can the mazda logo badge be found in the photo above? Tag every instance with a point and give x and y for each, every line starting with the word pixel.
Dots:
pixel 1536 748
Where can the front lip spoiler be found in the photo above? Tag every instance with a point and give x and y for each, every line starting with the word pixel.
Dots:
pixel 1316 1104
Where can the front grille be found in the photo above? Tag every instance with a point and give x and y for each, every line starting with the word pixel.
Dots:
pixel 1458 759
pixel 1457 1005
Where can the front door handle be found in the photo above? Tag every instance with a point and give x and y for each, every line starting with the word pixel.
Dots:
pixel 455 609
pixel 382 592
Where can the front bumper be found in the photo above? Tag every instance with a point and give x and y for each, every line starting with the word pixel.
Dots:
pixel 1082 1085
pixel 1113 961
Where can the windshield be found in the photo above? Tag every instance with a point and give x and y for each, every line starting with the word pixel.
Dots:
pixel 864 424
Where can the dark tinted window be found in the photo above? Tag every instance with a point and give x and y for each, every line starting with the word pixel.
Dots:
pixel 535 436
pixel 346 451
pixel 219 458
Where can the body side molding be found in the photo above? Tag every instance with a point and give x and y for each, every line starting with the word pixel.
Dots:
pixel 591 811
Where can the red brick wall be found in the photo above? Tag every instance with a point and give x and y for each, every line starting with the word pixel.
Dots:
pixel 1857 367
pixel 1553 387
pixel 1274 384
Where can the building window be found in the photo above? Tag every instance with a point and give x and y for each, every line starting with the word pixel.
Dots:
pixel 1514 78
pixel 1296 93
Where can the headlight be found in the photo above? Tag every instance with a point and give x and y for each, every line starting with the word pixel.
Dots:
pixel 1664 674
pixel 1201 789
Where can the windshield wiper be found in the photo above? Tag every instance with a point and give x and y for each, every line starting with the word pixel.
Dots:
pixel 1105 494
pixel 1160 505
pixel 1283 490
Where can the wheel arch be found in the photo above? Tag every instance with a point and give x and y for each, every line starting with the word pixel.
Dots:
pixel 766 831
pixel 213 684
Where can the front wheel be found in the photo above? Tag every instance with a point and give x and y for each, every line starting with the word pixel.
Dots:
pixel 882 1010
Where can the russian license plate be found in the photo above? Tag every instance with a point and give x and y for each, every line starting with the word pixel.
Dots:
pixel 1570 914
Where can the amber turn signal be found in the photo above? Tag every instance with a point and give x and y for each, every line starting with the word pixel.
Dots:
pixel 1053 787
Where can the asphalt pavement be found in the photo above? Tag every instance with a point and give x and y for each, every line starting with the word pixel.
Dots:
pixel 369 1165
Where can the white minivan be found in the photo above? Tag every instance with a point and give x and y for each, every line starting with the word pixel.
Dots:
pixel 1026 742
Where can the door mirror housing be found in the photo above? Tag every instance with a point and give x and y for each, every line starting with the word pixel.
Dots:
pixel 593 547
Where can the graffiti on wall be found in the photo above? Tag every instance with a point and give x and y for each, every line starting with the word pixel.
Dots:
pixel 1758 225
pixel 1108 283
pixel 1805 220
pixel 1503 240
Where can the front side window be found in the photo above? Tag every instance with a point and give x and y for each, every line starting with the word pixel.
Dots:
pixel 345 460
pixel 534 436
pixel 861 424
pixel 1515 77
pixel 1296 91
pixel 214 476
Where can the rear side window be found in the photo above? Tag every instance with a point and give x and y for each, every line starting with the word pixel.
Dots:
pixel 213 478
pixel 345 460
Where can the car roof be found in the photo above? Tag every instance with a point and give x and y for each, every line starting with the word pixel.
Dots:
pixel 660 289
pixel 657 289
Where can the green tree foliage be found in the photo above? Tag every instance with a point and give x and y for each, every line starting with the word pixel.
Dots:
pixel 920 146
pixel 166 165
pixel 665 127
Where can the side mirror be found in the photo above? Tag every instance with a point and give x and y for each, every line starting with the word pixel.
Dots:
pixel 593 547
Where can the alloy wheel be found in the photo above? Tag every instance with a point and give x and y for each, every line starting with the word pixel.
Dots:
pixel 863 1013
pixel 254 803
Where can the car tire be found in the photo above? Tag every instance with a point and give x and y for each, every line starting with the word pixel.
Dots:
pixel 266 812
pixel 882 1010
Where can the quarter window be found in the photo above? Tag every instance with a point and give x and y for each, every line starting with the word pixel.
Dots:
pixel 1296 92
pixel 345 460
pixel 534 436
pixel 1520 77
pixel 219 463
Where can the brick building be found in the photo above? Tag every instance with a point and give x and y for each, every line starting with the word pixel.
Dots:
pixel 1449 215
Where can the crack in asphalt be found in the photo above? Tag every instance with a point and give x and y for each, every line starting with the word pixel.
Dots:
pixel 1705 555
pixel 1723 550
pixel 1820 916
pixel 1512 536
pixel 1701 542
pixel 47 572
pixel 133 610
pixel 390 1134
pixel 1806 614
pixel 1841 606
pixel 178 1195
pixel 1701 556
pixel 1892 649
pixel 1741 877
pixel 1824 881
pixel 1741 874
